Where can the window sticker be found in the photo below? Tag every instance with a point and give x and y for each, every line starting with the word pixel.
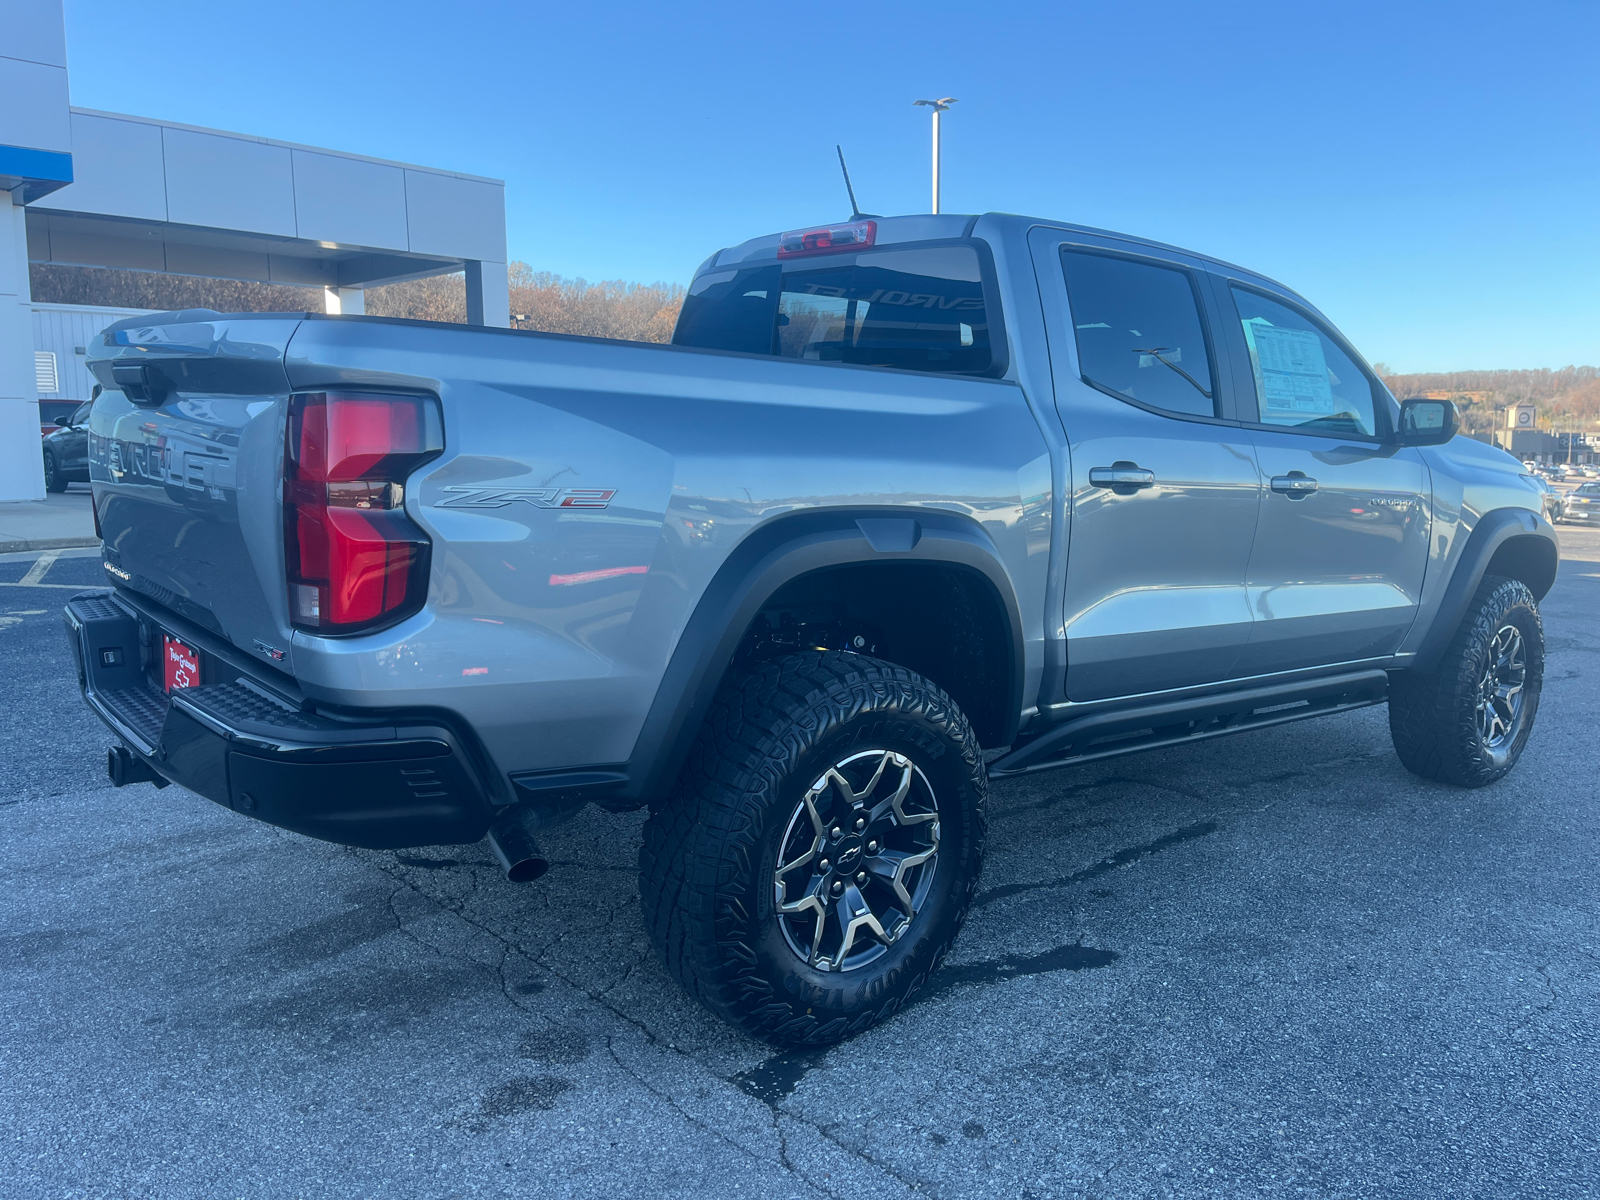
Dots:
pixel 1291 371
pixel 1159 355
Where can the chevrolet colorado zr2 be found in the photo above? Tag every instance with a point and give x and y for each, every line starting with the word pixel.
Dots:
pixel 908 505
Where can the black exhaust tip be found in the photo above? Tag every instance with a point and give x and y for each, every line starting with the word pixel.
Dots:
pixel 511 839
pixel 123 768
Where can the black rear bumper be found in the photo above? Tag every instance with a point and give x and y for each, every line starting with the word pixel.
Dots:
pixel 381 783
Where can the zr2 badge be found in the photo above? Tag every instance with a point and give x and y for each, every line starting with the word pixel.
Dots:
pixel 465 497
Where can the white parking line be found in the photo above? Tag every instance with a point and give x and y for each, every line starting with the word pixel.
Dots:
pixel 41 564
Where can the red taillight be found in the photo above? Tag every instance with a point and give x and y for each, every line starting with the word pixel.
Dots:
pixel 353 557
pixel 828 240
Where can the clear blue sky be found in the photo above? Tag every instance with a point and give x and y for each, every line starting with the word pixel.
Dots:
pixel 1425 173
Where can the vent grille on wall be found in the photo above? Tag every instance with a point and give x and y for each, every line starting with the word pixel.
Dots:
pixel 44 371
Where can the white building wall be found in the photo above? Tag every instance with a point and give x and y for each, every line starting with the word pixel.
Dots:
pixel 227 183
pixel 116 169
pixel 34 115
pixel 155 196
pixel 21 462
pixel 135 167
pixel 33 76
pixel 323 185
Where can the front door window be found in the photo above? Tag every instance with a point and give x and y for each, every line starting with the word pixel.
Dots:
pixel 1304 381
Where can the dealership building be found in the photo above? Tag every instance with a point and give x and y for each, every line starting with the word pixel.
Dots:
pixel 85 188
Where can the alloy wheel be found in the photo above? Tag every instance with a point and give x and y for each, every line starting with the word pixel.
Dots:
pixel 857 860
pixel 1500 690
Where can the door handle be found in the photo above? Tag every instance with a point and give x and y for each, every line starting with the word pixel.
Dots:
pixel 1121 475
pixel 1296 485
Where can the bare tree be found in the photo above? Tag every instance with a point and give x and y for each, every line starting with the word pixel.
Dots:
pixel 439 298
pixel 541 300
pixel 632 312
pixel 544 301
pixel 53 284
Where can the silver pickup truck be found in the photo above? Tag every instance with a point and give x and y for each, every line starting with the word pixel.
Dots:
pixel 909 504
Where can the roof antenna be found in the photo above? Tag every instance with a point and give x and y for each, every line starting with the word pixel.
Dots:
pixel 855 213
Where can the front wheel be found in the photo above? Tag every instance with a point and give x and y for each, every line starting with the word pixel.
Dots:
pixel 1467 722
pixel 54 480
pixel 822 847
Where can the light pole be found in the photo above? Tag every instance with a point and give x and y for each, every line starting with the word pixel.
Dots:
pixel 938 107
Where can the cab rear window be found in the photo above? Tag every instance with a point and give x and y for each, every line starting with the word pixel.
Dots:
pixel 917 308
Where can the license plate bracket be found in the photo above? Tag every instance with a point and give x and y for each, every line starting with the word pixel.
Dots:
pixel 180 664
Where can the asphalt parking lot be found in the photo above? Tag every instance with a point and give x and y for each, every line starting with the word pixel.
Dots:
pixel 1268 965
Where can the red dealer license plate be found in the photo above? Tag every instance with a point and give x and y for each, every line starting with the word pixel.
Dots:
pixel 182 663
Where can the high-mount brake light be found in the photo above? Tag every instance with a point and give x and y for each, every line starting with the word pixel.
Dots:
pixel 354 558
pixel 830 239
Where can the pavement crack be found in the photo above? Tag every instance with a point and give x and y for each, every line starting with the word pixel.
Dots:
pixel 1078 789
pixel 826 1131
pixel 774 1079
pixel 1544 974
pixel 1071 957
pixel 703 1126
pixel 1121 858
pixel 509 946
pixel 400 925
pixel 783 1149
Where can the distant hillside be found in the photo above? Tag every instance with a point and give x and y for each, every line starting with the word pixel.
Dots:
pixel 1569 396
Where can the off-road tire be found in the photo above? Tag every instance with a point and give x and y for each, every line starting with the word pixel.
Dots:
pixel 1433 716
pixel 710 850
pixel 54 480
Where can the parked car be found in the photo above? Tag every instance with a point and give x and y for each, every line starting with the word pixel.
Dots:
pixel 908 505
pixel 1552 500
pixel 66 450
pixel 1582 505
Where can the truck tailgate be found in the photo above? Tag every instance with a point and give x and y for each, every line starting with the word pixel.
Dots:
pixel 186 460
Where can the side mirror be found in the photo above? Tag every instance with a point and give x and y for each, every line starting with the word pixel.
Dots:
pixel 1428 422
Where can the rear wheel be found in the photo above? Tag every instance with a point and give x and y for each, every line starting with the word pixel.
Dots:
pixel 54 480
pixel 822 848
pixel 1467 722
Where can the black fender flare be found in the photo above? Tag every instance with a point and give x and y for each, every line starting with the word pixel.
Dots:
pixel 771 556
pixel 1493 530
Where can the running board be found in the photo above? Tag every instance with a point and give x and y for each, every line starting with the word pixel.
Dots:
pixel 1108 733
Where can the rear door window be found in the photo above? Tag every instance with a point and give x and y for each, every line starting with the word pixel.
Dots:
pixel 918 309
pixel 1303 379
pixel 1139 332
